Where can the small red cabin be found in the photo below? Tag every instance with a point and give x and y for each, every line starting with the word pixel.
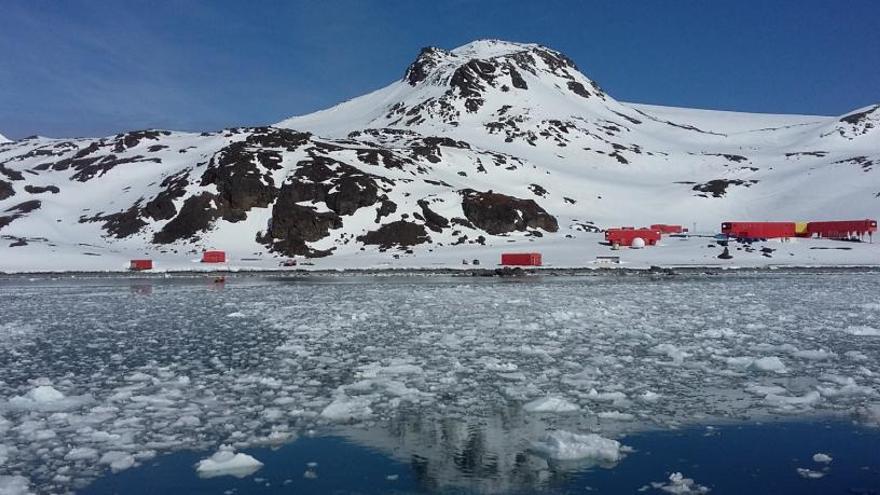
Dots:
pixel 138 265
pixel 759 230
pixel 624 236
pixel 665 228
pixel 214 257
pixel 842 229
pixel 521 259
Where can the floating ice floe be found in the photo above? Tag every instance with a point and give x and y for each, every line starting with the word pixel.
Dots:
pixel 568 446
pixel 226 462
pixel 551 404
pixel 14 485
pixel 810 474
pixel 47 399
pixel 345 408
pixel 678 485
pixel 822 458
pixel 769 364
pixel 117 460
pixel 862 331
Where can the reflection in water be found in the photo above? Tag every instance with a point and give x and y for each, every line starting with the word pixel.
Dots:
pixel 141 289
pixel 485 454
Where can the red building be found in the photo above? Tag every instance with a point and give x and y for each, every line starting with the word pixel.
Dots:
pixel 665 228
pixel 214 257
pixel 624 236
pixel 138 265
pixel 759 230
pixel 842 229
pixel 521 259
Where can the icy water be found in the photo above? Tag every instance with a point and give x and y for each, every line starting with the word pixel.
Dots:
pixel 442 384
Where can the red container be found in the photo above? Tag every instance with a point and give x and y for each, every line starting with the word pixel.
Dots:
pixel 521 259
pixel 842 229
pixel 138 265
pixel 624 236
pixel 214 257
pixel 665 228
pixel 759 230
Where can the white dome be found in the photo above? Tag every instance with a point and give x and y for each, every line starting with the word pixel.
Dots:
pixel 637 243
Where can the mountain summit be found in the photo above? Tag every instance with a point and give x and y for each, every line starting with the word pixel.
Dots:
pixel 488 144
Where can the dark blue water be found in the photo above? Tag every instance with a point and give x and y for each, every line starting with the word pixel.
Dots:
pixel 755 458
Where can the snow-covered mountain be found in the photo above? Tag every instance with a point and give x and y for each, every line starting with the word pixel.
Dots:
pixel 488 143
pixel 4 139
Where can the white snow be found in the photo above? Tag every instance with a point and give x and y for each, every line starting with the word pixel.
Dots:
pixel 4 139
pixel 567 446
pixel 226 462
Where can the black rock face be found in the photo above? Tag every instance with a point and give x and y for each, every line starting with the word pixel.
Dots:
pixel 196 215
pixel 6 190
pixel 293 225
pixel 396 234
pixel 428 59
pixel 499 213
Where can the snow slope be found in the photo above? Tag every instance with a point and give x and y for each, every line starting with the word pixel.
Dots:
pixel 493 145
pixel 4 139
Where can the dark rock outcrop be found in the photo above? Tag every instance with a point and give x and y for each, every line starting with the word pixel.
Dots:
pixel 396 234
pixel 196 215
pixel 38 189
pixel 499 213
pixel 293 225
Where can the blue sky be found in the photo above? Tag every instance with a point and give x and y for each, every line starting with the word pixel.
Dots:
pixel 85 68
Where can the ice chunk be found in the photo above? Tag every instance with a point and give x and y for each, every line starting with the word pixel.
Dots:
pixel 807 399
pixel 565 445
pixel 118 461
pixel 862 331
pixel 14 485
pixel 768 364
pixel 226 462
pixel 345 408
pixel 551 404
pixel 810 474
pixel 46 398
pixel 45 393
pixel 81 454
pixel 823 458
pixel 679 485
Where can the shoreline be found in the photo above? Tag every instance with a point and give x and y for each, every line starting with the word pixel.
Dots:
pixel 498 271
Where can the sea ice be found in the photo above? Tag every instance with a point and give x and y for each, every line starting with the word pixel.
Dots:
pixel 679 485
pixel 823 458
pixel 567 446
pixel 551 404
pixel 810 474
pixel 227 462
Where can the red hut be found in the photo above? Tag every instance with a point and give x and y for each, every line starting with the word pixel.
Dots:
pixel 624 236
pixel 521 259
pixel 665 228
pixel 139 265
pixel 214 257
pixel 842 229
pixel 759 230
